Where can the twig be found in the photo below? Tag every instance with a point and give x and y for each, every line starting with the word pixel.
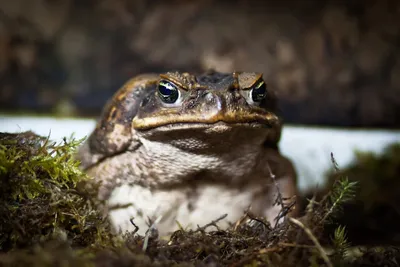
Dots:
pixel 283 244
pixel 311 203
pixel 134 225
pixel 284 209
pixel 313 239
pixel 150 233
pixel 279 197
pixel 241 219
pixel 119 206
pixel 335 165
pixel 213 223
pixel 258 220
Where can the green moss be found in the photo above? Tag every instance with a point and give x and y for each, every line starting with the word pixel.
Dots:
pixel 373 217
pixel 38 196
pixel 379 175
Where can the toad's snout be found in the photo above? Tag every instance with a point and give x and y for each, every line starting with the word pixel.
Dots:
pixel 213 103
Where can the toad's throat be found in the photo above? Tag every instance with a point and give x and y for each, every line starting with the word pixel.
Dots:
pixel 146 123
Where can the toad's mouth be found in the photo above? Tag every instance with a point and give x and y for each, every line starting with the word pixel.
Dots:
pixel 204 128
pixel 257 120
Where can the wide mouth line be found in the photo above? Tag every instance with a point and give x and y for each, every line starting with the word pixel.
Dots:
pixel 202 125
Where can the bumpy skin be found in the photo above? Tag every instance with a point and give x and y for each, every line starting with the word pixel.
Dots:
pixel 209 153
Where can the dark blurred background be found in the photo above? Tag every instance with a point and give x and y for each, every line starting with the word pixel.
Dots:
pixel 332 62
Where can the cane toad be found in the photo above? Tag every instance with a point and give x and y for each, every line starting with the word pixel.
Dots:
pixel 188 148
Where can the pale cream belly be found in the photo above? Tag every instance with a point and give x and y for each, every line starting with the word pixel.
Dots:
pixel 188 207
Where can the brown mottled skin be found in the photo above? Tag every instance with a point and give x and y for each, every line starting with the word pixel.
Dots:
pixel 204 150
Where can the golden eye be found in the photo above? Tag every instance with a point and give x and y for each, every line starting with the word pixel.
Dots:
pixel 168 92
pixel 259 92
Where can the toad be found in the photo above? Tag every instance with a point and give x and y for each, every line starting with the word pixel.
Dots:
pixel 183 149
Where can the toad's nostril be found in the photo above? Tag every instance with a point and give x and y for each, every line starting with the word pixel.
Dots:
pixel 209 97
pixel 213 100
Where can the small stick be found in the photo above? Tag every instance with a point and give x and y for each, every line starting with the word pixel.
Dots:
pixel 257 220
pixel 213 223
pixel 335 165
pixel 283 244
pixel 313 239
pixel 284 210
pixel 279 198
pixel 149 232
pixel 134 225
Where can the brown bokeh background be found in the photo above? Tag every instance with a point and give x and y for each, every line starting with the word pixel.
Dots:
pixel 332 62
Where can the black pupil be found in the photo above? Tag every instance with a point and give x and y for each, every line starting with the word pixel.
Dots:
pixel 168 92
pixel 259 92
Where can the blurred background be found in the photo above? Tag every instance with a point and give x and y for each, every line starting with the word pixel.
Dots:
pixel 333 63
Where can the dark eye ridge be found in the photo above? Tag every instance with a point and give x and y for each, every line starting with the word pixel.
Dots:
pixel 259 92
pixel 167 91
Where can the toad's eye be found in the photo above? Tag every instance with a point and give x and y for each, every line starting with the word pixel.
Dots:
pixel 259 92
pixel 168 92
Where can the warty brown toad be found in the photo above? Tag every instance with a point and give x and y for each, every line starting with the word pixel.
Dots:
pixel 188 148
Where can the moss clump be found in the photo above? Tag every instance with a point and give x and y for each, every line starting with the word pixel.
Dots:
pixel 378 175
pixel 374 215
pixel 38 199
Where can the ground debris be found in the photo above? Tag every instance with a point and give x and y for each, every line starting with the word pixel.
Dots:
pixel 46 221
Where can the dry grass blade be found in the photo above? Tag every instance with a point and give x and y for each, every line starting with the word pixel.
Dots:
pixel 314 240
